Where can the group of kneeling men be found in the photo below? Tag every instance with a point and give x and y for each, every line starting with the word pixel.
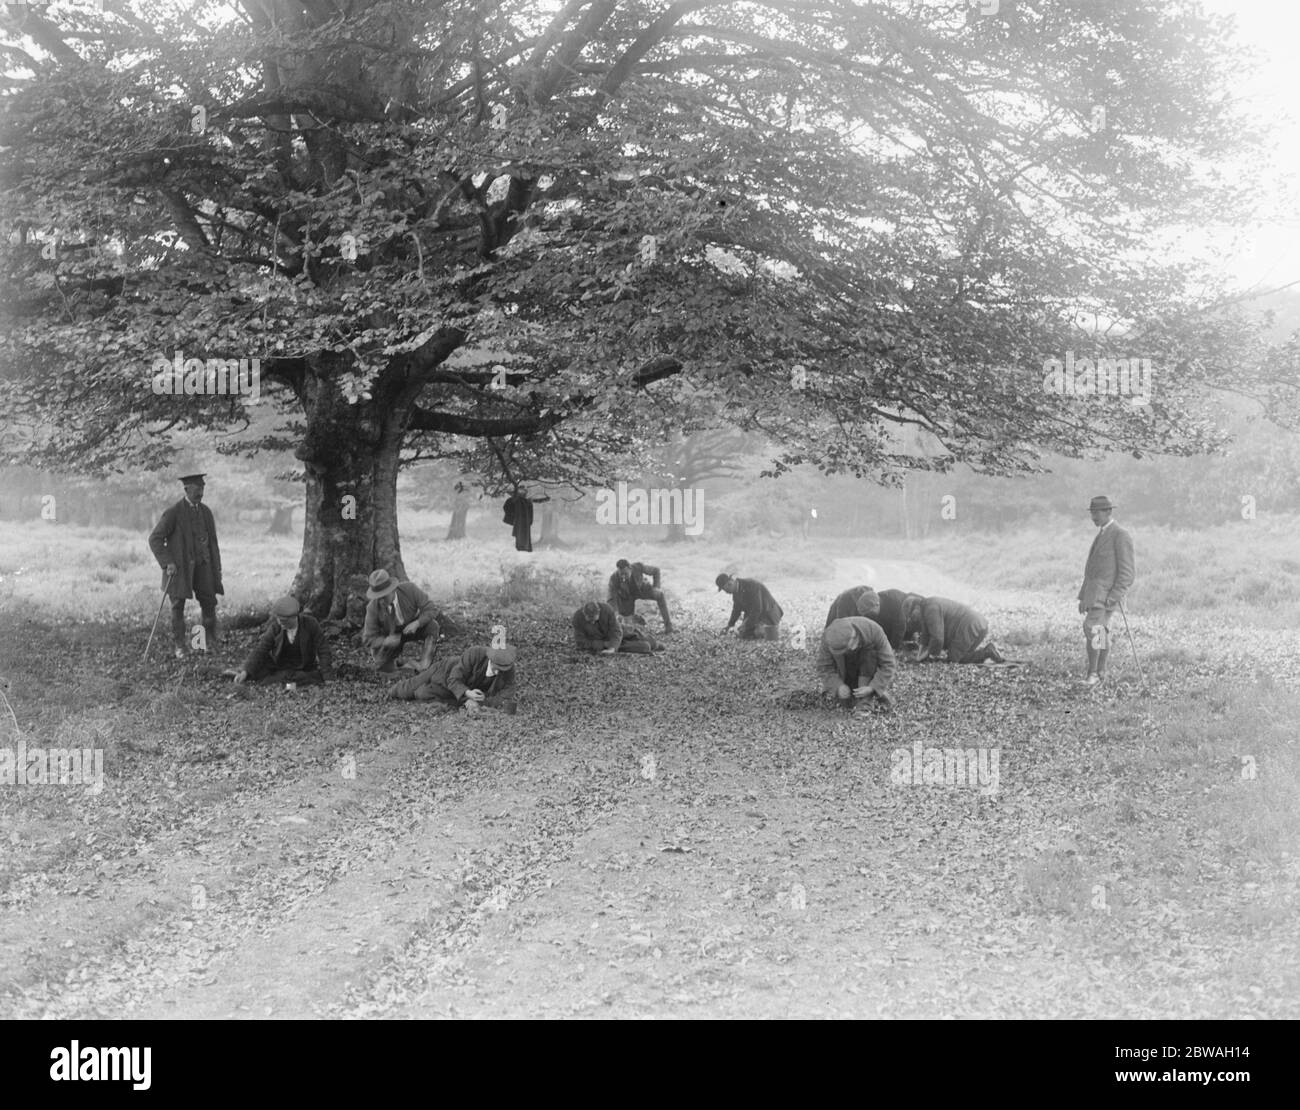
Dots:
pixel 856 658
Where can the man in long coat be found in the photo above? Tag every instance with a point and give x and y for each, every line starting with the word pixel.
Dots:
pixel 943 625
pixel 1107 576
pixel 855 661
pixel 398 613
pixel 753 601
pixel 479 677
pixel 184 541
pixel 292 649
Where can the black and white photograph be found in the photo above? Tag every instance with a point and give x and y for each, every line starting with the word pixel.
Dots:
pixel 651 509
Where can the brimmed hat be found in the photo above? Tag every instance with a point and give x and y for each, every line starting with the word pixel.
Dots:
pixel 381 584
pixel 1102 502
pixel 190 472
pixel 502 658
pixel 722 580
pixel 286 607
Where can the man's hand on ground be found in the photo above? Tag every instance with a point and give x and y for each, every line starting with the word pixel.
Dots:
pixel 241 677
pixel 474 695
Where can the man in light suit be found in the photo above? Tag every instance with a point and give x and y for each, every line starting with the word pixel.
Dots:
pixel 184 542
pixel 1106 578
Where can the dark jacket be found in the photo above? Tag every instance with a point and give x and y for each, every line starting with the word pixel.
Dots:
pixel 875 655
pixel 890 617
pixel 753 601
pixel 519 515
pixel 416 606
pixel 170 543
pixel 1108 573
pixel 449 679
pixel 624 595
pixel 267 652
pixel 599 635
pixel 950 626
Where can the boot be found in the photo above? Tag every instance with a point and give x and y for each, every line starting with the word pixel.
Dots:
pixel 210 632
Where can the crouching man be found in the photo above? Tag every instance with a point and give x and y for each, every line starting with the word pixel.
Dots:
pixel 943 625
pixel 292 649
pixel 479 677
pixel 855 661
pixel 398 613
pixel 597 629
pixel 753 601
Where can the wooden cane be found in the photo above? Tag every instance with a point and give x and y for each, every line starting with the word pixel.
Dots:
pixel 158 614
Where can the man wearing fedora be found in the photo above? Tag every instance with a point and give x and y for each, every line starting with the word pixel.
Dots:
pixel 855 661
pixel 184 542
pixel 398 613
pixel 753 601
pixel 1107 575
pixel 292 649
pixel 481 677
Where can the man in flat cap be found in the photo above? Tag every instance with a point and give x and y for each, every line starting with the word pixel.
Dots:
pixel 943 625
pixel 292 649
pixel 752 600
pixel 184 542
pixel 628 585
pixel 1107 575
pixel 855 661
pixel 597 629
pixel 885 608
pixel 480 677
pixel 398 613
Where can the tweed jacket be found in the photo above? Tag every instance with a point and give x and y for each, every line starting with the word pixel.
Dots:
pixel 1109 571
pixel 381 622
pixel 266 653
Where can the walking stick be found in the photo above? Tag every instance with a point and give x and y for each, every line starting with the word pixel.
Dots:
pixel 1132 646
pixel 158 614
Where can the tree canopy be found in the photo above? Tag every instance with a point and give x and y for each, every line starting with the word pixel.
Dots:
pixel 557 232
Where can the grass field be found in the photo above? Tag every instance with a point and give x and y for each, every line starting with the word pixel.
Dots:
pixel 691 834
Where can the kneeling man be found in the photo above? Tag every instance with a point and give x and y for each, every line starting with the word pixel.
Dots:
pixel 292 649
pixel 942 624
pixel 855 661
pixel 597 629
pixel 481 676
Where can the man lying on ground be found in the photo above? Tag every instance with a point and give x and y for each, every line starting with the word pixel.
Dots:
pixel 479 677
pixel 855 661
pixel 597 629
pixel 752 600
pixel 943 625
pixel 292 649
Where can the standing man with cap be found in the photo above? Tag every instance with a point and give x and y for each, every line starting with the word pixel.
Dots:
pixel 398 613
pixel 481 676
pixel 292 649
pixel 752 600
pixel 627 586
pixel 855 661
pixel 184 542
pixel 1107 575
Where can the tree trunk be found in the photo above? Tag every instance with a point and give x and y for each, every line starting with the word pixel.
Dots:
pixel 550 527
pixel 351 455
pixel 456 529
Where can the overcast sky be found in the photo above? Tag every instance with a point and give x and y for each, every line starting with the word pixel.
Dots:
pixel 1273 28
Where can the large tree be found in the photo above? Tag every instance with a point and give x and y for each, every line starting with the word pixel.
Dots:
pixel 558 228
